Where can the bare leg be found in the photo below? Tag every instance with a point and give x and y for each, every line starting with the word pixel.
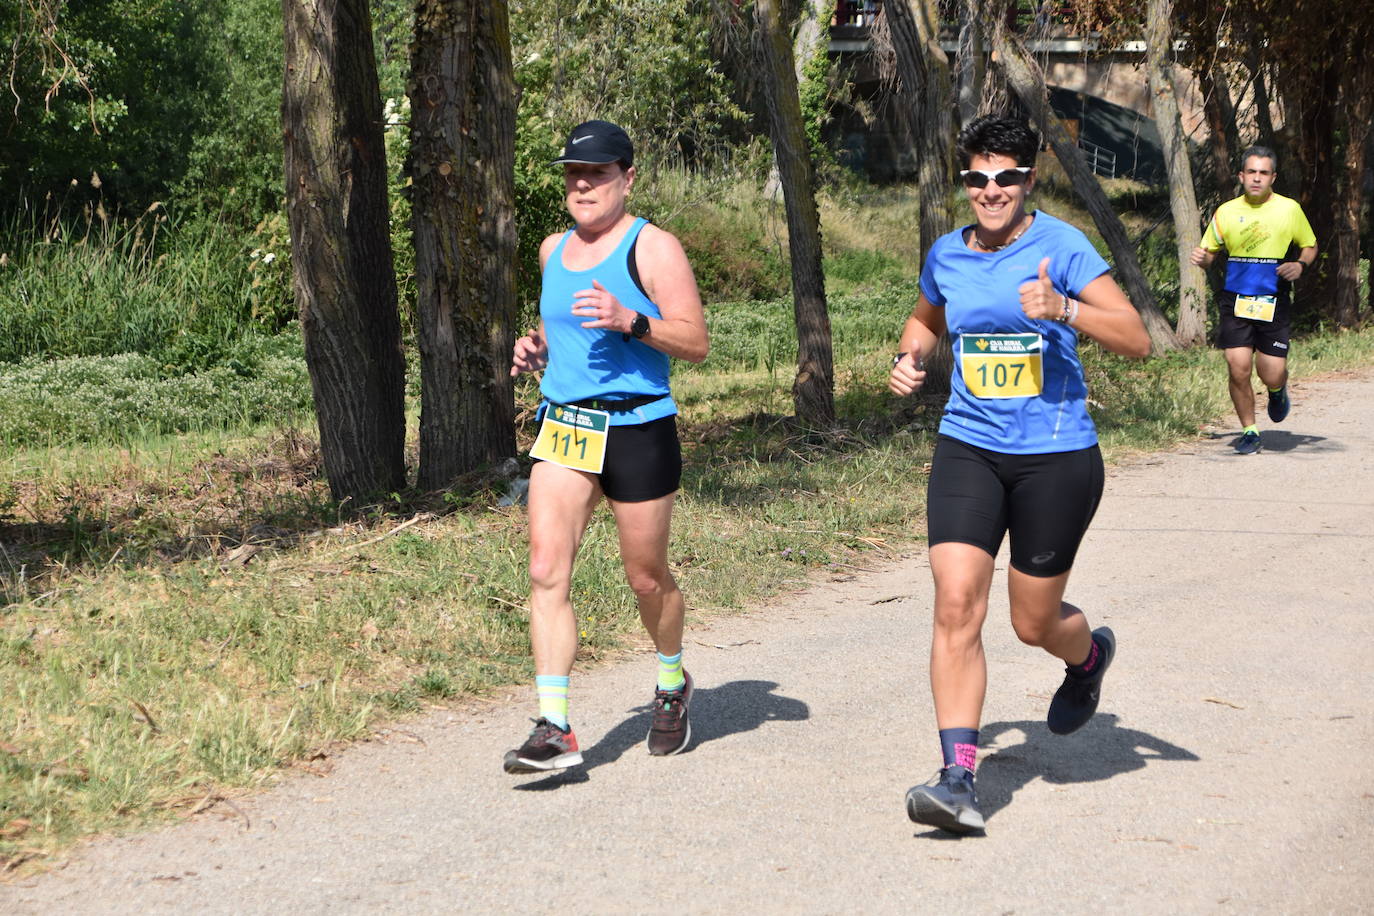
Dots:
pixel 561 501
pixel 958 668
pixel 1041 617
pixel 1273 370
pixel 1239 362
pixel 643 528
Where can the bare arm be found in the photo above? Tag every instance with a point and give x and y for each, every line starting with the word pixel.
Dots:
pixel 531 352
pixel 919 335
pixel 669 281
pixel 1107 316
pixel 1291 270
pixel 1103 312
pixel 1202 256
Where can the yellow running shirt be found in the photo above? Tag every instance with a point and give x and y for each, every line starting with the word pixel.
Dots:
pixel 1256 239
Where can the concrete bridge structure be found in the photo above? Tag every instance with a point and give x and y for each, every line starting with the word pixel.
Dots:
pixel 1102 95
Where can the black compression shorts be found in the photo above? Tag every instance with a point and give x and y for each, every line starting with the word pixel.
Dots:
pixel 643 461
pixel 1045 501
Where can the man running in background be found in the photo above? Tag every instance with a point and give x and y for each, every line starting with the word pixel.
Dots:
pixel 1259 229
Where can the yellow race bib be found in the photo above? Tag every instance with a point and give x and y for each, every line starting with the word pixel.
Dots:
pixel 1002 365
pixel 574 437
pixel 1256 308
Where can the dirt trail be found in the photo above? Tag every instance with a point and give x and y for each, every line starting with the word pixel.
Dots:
pixel 1229 769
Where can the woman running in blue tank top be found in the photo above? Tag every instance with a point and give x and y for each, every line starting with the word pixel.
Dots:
pixel 618 300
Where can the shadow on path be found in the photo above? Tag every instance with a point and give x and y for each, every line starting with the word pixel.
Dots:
pixel 717 712
pixel 1280 440
pixel 1100 750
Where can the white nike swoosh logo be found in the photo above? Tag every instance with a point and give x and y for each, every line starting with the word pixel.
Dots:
pixel 577 140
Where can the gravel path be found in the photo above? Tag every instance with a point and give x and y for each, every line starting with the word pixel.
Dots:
pixel 1228 770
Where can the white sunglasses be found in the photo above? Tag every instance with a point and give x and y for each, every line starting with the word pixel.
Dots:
pixel 1005 178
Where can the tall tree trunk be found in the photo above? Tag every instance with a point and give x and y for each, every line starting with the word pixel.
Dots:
pixel 1192 282
pixel 462 103
pixel 1264 121
pixel 925 74
pixel 813 392
pixel 1356 101
pixel 345 283
pixel 812 33
pixel 1224 143
pixel 1028 83
pixel 970 65
pixel 1310 175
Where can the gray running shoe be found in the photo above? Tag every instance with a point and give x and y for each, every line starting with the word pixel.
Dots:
pixel 547 748
pixel 1248 444
pixel 1076 699
pixel 1279 405
pixel 947 801
pixel 670 730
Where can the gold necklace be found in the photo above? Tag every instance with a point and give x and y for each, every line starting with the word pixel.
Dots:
pixel 1008 243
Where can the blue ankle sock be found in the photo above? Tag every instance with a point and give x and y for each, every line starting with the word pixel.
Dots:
pixel 959 747
pixel 553 698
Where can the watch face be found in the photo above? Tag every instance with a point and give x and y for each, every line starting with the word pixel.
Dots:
pixel 640 326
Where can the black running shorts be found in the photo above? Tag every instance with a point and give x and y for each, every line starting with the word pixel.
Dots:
pixel 1046 501
pixel 1270 337
pixel 643 461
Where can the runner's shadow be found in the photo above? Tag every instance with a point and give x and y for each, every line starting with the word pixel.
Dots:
pixel 1280 440
pixel 731 708
pixel 1101 750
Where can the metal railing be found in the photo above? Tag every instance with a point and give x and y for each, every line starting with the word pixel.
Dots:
pixel 859 13
pixel 1101 161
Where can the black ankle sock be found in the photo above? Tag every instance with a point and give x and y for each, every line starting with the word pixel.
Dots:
pixel 1089 664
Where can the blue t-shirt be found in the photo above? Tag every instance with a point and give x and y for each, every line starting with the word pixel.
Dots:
pixel 979 292
pixel 595 362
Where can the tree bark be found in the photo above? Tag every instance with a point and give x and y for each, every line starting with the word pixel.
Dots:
pixel 1028 83
pixel 1192 282
pixel 812 33
pixel 462 103
pixel 1310 175
pixel 345 283
pixel 813 392
pixel 1224 143
pixel 926 80
pixel 1264 121
pixel 1356 101
pixel 970 63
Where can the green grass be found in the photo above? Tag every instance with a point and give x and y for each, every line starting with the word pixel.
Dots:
pixel 103 287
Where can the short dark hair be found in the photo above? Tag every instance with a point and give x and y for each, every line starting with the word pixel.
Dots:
pixel 1000 135
pixel 1259 152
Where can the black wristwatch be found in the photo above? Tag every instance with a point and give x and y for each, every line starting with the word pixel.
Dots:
pixel 640 326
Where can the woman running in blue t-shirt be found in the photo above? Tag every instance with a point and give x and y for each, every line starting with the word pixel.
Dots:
pixel 618 300
pixel 1017 452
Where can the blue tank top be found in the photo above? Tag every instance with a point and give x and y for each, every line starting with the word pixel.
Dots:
pixel 594 362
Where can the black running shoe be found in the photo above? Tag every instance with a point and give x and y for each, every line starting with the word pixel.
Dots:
pixel 547 748
pixel 1076 699
pixel 670 731
pixel 948 801
pixel 1248 443
pixel 1279 405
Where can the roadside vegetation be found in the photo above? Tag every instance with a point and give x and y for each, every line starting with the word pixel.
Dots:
pixel 185 611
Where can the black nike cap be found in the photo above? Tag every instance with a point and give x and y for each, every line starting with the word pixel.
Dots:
pixel 597 142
